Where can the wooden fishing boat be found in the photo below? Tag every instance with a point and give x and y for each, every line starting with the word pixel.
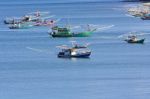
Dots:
pixel 66 32
pixel 134 39
pixel 31 17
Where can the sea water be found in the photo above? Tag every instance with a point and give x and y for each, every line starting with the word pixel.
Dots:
pixel 30 69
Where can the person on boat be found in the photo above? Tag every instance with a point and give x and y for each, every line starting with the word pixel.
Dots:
pixel 132 37
pixel 88 27
pixel 51 23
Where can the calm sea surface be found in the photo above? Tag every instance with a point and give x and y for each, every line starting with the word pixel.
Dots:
pixel 30 69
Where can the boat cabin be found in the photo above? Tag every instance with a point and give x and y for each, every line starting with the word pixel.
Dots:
pixel 60 31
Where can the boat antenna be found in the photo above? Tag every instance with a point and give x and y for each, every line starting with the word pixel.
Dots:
pixel 68 23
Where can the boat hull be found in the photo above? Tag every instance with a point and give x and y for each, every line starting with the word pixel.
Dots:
pixel 81 34
pixel 16 27
pixel 8 22
pixel 11 22
pixel 145 18
pixel 141 41
pixel 20 26
pixel 83 55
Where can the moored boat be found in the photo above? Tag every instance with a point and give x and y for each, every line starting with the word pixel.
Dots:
pixel 18 20
pixel 75 51
pixel 142 11
pixel 134 39
pixel 66 32
pixel 31 17
pixel 141 41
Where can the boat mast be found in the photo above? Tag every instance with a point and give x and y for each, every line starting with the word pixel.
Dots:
pixel 68 23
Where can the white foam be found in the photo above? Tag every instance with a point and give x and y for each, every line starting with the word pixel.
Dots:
pixel 129 15
pixel 34 49
pixel 101 28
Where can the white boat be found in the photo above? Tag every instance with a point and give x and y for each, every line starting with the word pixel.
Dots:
pixel 75 51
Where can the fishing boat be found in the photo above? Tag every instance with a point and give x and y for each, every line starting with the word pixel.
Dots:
pixel 140 11
pixel 66 32
pixel 15 20
pixel 134 12
pixel 30 17
pixel 134 39
pixel 75 51
pixel 12 20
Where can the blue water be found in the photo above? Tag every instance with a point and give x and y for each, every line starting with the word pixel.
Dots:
pixel 30 69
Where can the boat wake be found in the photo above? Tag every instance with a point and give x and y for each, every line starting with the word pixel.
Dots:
pixel 38 50
pixel 20 30
pixel 6 30
pixel 95 27
pixel 34 49
pixel 133 5
pixel 105 37
pixel 121 36
pixel 128 15
pixel 102 28
pixel 118 9
pixel 144 34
